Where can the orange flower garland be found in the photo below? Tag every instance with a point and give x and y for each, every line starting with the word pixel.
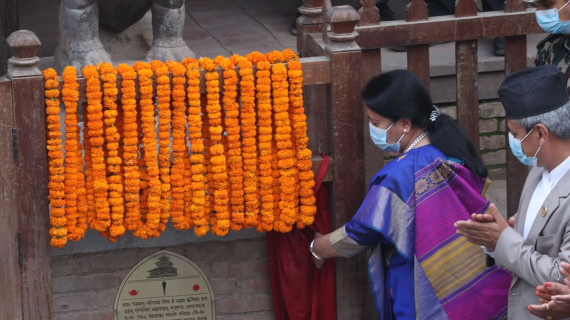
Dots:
pixel 75 201
pixel 152 219
pixel 164 118
pixel 58 221
pixel 306 183
pixel 130 148
pixel 249 145
pixel 96 138
pixel 220 195
pixel 265 137
pixel 179 221
pixel 197 159
pixel 108 75
pixel 234 158
pixel 285 154
pixel 248 165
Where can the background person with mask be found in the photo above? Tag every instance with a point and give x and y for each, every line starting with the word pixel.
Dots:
pixel 532 247
pixel 417 262
pixel 553 16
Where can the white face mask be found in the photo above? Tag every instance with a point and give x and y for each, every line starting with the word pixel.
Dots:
pixel 379 137
pixel 550 22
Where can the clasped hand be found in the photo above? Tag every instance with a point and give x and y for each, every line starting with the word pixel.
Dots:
pixel 484 229
pixel 555 297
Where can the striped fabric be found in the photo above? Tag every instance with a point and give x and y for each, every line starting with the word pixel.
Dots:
pixel 455 269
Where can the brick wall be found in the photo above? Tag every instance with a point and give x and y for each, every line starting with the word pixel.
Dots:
pixel 85 285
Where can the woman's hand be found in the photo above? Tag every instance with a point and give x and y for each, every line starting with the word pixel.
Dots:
pixel 549 311
pixel 555 298
pixel 318 262
pixel 549 290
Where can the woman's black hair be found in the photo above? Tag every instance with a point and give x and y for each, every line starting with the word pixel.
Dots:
pixel 400 94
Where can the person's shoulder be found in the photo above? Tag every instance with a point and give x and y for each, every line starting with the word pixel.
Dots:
pixel 549 40
pixel 554 49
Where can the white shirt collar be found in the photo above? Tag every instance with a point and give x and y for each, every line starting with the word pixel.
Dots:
pixel 556 174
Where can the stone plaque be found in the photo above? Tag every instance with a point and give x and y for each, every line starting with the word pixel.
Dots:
pixel 165 286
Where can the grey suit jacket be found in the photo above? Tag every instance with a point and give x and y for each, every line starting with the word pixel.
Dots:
pixel 537 259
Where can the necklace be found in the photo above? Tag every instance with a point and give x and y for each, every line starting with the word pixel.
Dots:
pixel 420 137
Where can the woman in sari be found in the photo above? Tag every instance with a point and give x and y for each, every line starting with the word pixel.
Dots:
pixel 418 266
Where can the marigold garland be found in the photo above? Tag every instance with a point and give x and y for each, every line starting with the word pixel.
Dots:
pixel 102 219
pixel 286 162
pixel 197 159
pixel 75 197
pixel 265 138
pixel 217 160
pixel 164 118
pixel 108 75
pixel 130 148
pixel 56 185
pixel 151 225
pixel 179 149
pixel 247 163
pixel 306 183
pixel 249 143
pixel 234 157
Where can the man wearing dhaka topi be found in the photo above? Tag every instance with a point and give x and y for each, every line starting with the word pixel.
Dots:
pixel 536 241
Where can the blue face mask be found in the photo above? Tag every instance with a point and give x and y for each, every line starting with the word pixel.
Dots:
pixel 516 148
pixel 549 21
pixel 379 138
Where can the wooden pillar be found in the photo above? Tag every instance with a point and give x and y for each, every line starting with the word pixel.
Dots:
pixel 310 21
pixel 418 55
pixel 515 60
pixel 466 68
pixel 31 175
pixel 346 143
pixel 371 59
pixel 10 306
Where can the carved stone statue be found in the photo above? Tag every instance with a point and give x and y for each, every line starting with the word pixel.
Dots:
pixel 79 22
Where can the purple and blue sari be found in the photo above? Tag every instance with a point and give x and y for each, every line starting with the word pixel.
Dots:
pixel 419 267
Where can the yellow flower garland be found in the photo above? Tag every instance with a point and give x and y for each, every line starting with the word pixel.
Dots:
pixel 130 147
pixel 265 138
pixel 197 159
pixel 217 161
pixel 102 219
pixel 108 75
pixel 58 221
pixel 306 183
pixel 249 143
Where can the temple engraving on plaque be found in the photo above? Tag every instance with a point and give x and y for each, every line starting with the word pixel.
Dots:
pixel 165 286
